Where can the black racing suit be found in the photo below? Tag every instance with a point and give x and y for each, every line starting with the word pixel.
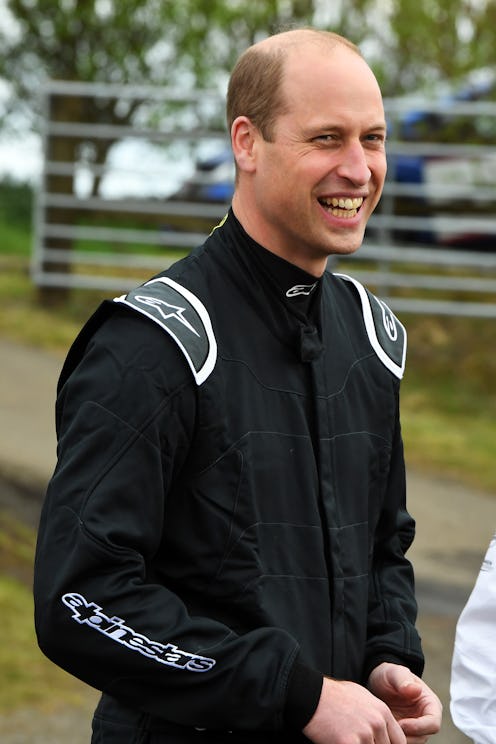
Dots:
pixel 226 522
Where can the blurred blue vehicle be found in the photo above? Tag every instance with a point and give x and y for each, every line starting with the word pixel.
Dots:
pixel 212 181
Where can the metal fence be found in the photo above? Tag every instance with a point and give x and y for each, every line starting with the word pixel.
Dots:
pixel 109 210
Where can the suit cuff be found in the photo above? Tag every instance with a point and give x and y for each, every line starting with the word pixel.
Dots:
pixel 303 695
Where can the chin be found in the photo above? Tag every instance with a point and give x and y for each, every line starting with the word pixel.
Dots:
pixel 346 249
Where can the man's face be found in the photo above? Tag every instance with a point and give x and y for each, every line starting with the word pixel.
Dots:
pixel 316 184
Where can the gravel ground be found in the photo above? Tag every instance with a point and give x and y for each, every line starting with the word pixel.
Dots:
pixel 70 725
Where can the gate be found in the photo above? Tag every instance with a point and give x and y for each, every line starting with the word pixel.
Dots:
pixel 112 208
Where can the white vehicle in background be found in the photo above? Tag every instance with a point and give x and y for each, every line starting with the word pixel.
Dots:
pixel 442 165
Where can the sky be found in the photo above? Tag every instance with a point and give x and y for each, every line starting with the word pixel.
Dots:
pixel 20 155
pixel 20 152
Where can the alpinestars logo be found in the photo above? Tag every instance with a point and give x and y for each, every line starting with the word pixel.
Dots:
pixel 90 614
pixel 301 289
pixel 167 310
pixel 388 321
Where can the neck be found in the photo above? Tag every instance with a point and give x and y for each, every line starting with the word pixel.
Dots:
pixel 262 235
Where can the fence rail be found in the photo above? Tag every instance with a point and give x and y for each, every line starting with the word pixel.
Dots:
pixel 93 231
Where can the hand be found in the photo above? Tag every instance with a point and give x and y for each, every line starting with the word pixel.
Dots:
pixel 414 705
pixel 348 713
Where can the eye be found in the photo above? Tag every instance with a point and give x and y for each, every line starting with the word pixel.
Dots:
pixel 379 137
pixel 325 138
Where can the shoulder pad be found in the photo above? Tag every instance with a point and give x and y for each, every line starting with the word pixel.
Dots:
pixel 386 334
pixel 183 316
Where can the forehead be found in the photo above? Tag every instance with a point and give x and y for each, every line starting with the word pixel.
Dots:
pixel 322 81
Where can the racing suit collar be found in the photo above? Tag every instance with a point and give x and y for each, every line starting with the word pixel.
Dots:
pixel 296 288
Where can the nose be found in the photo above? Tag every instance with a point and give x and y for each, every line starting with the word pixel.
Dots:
pixel 353 165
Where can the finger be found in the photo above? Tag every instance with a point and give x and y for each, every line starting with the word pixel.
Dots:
pixel 395 733
pixel 412 689
pixel 400 676
pixel 419 727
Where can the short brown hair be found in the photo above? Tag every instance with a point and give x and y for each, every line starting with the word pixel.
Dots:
pixel 255 88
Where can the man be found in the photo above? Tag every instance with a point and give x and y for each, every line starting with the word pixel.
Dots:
pixel 473 670
pixel 222 548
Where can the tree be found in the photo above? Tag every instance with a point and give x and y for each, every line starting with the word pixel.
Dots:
pixel 193 43
pixel 162 42
pixel 433 41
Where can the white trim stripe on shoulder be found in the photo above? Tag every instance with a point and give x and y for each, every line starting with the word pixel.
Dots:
pixel 396 369
pixel 208 365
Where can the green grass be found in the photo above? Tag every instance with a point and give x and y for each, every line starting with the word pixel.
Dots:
pixel 23 319
pixel 14 240
pixel 443 439
pixel 28 678
pixel 449 399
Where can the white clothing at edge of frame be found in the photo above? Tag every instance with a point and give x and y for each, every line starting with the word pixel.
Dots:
pixel 473 673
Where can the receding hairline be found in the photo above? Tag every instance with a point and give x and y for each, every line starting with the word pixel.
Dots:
pixel 284 41
pixel 270 55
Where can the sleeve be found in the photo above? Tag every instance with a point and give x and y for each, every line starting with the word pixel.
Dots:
pixel 391 631
pixel 126 415
pixel 473 671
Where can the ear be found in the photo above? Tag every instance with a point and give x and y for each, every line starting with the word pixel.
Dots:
pixel 243 137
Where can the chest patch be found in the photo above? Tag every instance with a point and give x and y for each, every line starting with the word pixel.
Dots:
pixel 183 316
pixel 386 334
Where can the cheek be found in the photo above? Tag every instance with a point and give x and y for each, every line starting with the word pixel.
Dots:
pixel 378 167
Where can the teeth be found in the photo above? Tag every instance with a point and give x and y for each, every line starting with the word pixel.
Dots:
pixel 343 203
pixel 342 207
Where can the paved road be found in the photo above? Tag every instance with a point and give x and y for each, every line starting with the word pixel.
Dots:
pixel 454 525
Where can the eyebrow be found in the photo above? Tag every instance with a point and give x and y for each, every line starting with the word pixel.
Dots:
pixel 314 129
pixel 382 125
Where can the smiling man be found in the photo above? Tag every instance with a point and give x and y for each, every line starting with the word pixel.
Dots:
pixel 308 181
pixel 222 549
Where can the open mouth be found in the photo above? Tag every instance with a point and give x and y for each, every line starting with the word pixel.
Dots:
pixel 342 206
